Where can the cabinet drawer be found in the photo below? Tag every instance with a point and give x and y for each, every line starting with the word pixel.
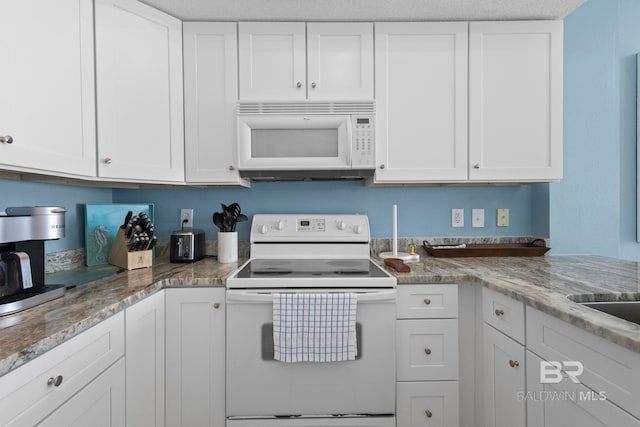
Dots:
pixel 427 302
pixel 503 313
pixel 608 367
pixel 427 349
pixel 26 396
pixel 430 403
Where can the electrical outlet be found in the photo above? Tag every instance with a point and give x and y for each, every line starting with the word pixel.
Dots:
pixel 477 218
pixel 186 218
pixel 503 217
pixel 457 217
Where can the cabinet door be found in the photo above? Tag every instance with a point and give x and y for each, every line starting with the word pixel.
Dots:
pixel 100 404
pixel 421 97
pixel 340 61
pixel 139 92
pixel 195 357
pixel 272 60
pixel 144 332
pixel 568 404
pixel 428 403
pixel 515 101
pixel 210 96
pixel 47 86
pixel 504 380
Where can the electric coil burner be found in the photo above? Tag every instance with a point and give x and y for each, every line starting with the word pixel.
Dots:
pixel 310 254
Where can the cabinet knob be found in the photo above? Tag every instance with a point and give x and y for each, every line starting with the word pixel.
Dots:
pixel 55 381
pixel 231 167
pixel 499 312
pixel 313 85
pixel 476 166
pixel 514 363
pixel 427 351
pixel 108 160
pixel 427 301
pixel 299 85
pixel 381 166
pixel 428 413
pixel 216 305
pixel 8 139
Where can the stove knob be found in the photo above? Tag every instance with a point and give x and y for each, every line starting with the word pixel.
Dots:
pixel 342 225
pixel 280 225
pixel 263 229
pixel 358 229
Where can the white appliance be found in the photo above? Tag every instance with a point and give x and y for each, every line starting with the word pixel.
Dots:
pixel 310 253
pixel 306 140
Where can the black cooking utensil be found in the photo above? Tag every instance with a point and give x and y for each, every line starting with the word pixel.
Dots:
pixel 218 220
pixel 126 220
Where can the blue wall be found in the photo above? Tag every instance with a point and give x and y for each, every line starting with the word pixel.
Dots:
pixel 73 198
pixel 422 211
pixel 593 209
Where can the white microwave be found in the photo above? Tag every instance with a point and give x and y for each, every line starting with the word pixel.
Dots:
pixel 321 140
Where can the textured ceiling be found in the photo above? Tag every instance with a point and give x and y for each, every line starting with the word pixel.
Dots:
pixel 365 10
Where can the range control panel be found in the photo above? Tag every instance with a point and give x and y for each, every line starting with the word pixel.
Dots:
pixel 310 228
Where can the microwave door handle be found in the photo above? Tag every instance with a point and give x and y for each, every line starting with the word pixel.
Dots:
pixel 350 142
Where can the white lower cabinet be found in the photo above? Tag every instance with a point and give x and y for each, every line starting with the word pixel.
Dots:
pixel 569 404
pixel 79 382
pixel 99 404
pixel 195 357
pixel 504 380
pixel 427 356
pixel 145 338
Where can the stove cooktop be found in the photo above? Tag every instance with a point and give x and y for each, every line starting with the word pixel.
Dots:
pixel 316 273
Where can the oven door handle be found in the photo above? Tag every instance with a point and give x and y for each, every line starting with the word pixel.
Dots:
pixel 245 296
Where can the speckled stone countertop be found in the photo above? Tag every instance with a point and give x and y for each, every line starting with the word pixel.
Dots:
pixel 541 282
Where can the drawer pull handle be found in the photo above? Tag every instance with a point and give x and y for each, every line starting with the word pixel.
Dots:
pixel 499 312
pixel 427 301
pixel 6 139
pixel 427 351
pixel 55 381
pixel 216 305
pixel 514 363
pixel 428 413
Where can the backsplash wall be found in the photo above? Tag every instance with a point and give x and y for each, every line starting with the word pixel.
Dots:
pixel 422 211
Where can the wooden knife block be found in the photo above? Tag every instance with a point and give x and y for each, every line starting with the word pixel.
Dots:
pixel 121 257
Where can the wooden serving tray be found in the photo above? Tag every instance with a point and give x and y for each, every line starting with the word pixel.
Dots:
pixel 536 247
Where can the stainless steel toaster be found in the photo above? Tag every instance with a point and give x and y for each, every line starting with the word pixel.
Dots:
pixel 187 245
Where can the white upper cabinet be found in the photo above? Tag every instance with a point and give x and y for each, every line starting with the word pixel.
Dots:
pixel 515 101
pixel 47 108
pixel 340 61
pixel 421 102
pixel 286 61
pixel 210 94
pixel 139 93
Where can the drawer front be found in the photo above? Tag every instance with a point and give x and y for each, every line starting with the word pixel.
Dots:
pixel 428 404
pixel 608 367
pixel 26 396
pixel 427 301
pixel 503 313
pixel 427 350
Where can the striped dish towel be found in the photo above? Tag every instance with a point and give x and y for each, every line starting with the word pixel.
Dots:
pixel 316 327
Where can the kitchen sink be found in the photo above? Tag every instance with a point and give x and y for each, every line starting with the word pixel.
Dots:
pixel 626 310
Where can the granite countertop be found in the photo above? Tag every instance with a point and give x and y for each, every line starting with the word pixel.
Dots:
pixel 541 282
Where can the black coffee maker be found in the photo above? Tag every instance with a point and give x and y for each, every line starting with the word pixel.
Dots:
pixel 23 231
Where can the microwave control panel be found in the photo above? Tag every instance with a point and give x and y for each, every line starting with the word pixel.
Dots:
pixel 363 149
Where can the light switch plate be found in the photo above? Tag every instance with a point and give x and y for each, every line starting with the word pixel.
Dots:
pixel 503 217
pixel 477 218
pixel 457 217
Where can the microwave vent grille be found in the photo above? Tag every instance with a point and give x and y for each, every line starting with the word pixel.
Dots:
pixel 306 107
